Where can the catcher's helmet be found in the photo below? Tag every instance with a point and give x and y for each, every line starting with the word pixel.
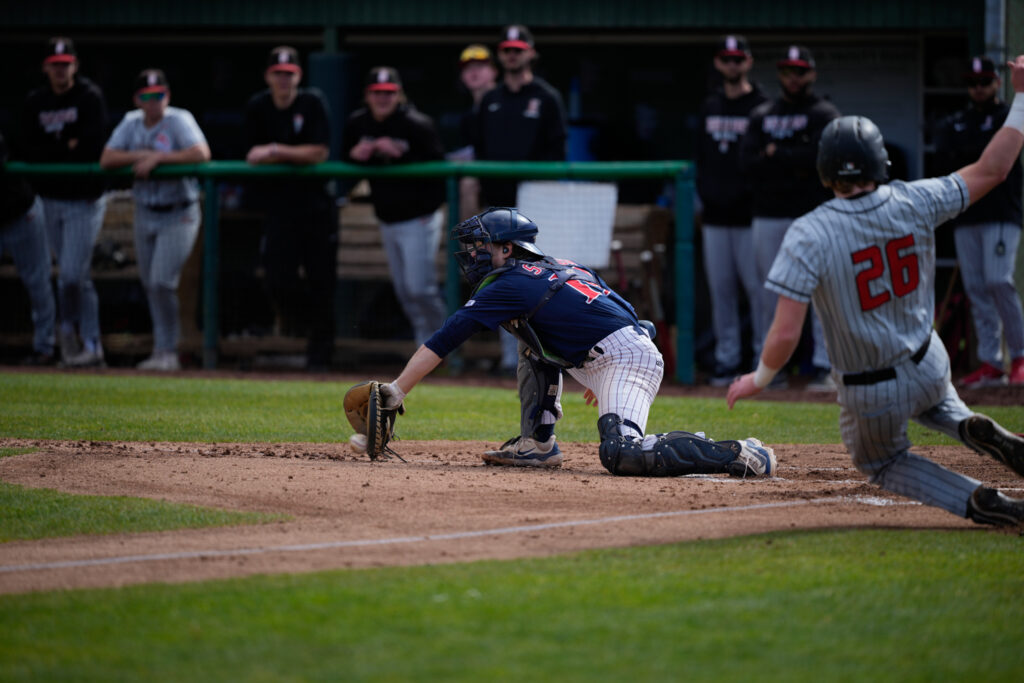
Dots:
pixel 498 225
pixel 852 148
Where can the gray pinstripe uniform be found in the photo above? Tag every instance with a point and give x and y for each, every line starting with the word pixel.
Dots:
pixel 868 265
pixel 166 216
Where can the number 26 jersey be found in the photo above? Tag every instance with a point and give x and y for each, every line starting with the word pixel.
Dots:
pixel 868 265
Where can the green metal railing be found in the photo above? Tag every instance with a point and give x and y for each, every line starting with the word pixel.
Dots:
pixel 681 172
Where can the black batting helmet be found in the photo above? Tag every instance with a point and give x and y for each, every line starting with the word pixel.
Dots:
pixel 851 148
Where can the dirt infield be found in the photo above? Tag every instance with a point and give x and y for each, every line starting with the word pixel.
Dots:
pixel 442 506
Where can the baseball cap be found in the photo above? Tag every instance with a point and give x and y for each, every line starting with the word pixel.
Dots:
pixel 474 53
pixel 980 68
pixel 797 55
pixel 151 80
pixel 383 78
pixel 59 50
pixel 733 46
pixel 284 58
pixel 516 35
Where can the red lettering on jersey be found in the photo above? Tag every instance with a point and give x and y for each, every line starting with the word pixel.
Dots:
pixel 904 272
pixel 587 289
pixel 554 276
pixel 533 270
pixel 565 262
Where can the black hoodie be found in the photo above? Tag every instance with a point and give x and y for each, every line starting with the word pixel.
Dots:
pixel 786 184
pixel 723 190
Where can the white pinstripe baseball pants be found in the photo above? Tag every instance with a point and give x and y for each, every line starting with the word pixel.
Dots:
pixel 625 375
pixel 163 242
pixel 873 421
pixel 72 226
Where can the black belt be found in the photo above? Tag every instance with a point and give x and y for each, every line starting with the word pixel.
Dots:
pixel 876 376
pixel 167 208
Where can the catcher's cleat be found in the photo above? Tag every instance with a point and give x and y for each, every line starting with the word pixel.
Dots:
pixel 988 506
pixel 519 452
pixel 985 436
pixel 755 460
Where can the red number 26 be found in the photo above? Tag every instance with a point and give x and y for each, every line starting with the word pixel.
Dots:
pixel 903 270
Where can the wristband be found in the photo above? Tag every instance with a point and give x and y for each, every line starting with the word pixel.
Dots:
pixel 1015 117
pixel 764 375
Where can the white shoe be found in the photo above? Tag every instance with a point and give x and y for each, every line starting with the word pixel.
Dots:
pixel 755 459
pixel 86 358
pixel 164 361
pixel 519 452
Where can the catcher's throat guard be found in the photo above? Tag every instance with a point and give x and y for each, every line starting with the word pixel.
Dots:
pixel 364 408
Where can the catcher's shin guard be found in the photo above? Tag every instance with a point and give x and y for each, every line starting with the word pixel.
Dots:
pixel 671 455
pixel 620 455
pixel 540 392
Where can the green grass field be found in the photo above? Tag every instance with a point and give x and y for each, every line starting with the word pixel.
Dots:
pixel 837 605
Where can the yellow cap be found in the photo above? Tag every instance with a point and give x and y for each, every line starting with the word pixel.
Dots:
pixel 475 53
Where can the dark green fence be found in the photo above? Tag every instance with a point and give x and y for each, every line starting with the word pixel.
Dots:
pixel 680 172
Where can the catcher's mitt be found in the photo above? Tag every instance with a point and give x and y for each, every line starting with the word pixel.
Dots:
pixel 364 408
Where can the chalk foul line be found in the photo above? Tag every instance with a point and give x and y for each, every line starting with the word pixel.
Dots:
pixel 330 545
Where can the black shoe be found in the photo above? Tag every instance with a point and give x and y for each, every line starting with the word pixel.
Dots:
pixel 40 360
pixel 981 433
pixel 988 506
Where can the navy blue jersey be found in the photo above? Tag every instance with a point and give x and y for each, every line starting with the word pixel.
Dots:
pixel 579 315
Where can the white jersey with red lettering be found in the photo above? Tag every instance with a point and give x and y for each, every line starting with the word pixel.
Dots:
pixel 868 265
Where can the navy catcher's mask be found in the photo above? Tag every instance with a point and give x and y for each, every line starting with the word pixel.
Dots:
pixel 497 225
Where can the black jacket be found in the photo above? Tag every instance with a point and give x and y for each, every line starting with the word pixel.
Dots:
pixel 399 200
pixel 724 191
pixel 959 141
pixel 786 184
pixel 50 122
pixel 305 122
pixel 526 125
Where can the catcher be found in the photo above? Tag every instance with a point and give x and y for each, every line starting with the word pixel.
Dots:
pixel 567 319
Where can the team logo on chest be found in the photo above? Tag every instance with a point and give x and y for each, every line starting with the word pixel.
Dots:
pixel 162 142
pixel 532 110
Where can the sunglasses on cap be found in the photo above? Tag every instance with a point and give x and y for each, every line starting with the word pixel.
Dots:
pixel 793 70
pixel 154 96
pixel 732 59
pixel 979 82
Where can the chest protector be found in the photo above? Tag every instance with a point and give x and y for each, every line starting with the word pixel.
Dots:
pixel 520 327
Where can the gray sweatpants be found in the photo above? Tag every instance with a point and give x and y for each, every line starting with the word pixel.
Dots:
pixel 728 266
pixel 411 247
pixel 24 239
pixel 988 281
pixel 163 242
pixel 873 421
pixel 767 235
pixel 72 226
